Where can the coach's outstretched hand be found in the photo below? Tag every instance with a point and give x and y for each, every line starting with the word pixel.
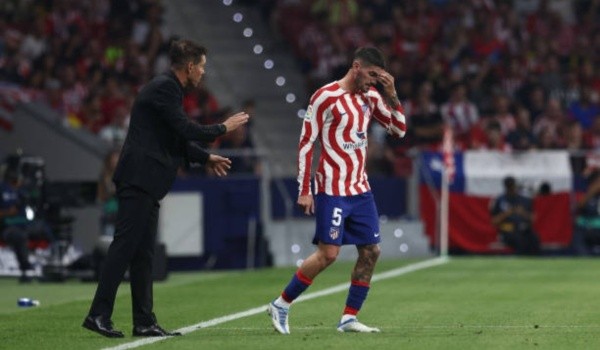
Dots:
pixel 219 165
pixel 235 121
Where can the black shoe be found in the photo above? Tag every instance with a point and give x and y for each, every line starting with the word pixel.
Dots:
pixel 152 331
pixel 101 326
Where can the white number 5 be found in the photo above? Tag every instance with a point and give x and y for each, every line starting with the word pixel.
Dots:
pixel 337 216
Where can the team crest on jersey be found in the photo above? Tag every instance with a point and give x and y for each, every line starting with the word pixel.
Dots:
pixel 365 108
pixel 361 135
pixel 309 113
pixel 334 232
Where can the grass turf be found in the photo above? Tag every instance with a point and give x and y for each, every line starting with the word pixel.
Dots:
pixel 468 303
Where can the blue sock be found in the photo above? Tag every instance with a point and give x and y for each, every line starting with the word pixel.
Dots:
pixel 356 296
pixel 297 286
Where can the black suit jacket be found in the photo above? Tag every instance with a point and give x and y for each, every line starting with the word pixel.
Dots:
pixel 160 136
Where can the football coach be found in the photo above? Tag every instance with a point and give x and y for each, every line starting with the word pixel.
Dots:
pixel 159 141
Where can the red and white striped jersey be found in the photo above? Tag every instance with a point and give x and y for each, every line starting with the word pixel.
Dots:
pixel 340 119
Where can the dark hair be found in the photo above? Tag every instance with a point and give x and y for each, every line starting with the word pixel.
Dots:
pixel 509 181
pixel 371 56
pixel 184 51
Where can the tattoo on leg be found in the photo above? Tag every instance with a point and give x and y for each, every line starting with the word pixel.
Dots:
pixel 365 264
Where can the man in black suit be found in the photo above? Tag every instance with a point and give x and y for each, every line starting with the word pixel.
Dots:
pixel 159 140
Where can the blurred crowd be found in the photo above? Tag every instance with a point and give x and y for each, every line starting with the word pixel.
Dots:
pixel 504 75
pixel 87 60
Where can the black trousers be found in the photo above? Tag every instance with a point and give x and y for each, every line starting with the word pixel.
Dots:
pixel 16 237
pixel 133 247
pixel 523 242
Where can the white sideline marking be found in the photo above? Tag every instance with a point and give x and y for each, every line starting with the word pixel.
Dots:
pixel 251 312
pixel 427 327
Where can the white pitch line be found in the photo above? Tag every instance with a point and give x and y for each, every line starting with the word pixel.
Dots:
pixel 254 311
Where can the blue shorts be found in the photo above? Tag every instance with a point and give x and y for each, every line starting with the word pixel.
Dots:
pixel 346 220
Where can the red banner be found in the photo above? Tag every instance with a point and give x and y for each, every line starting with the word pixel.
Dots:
pixel 470 226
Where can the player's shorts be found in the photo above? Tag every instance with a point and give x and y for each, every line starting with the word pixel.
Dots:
pixel 346 220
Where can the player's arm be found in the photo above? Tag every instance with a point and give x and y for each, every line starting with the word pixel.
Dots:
pixel 311 127
pixel 391 118
pixel 388 113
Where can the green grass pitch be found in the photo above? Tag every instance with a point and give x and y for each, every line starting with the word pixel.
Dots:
pixel 467 303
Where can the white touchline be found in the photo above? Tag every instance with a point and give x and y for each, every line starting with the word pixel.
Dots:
pixel 251 312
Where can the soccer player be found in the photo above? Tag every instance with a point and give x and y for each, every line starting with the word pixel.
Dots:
pixel 338 115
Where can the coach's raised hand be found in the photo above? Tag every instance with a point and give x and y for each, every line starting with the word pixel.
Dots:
pixel 235 121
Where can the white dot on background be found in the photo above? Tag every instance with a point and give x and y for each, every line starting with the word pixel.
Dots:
pixel 403 247
pixel 248 32
pixel 398 232
pixel 238 17
pixel 301 113
pixel 258 49
pixel 269 64
pixel 383 219
pixel 227 2
pixel 295 248
pixel 290 98
pixel 299 262
pixel 280 81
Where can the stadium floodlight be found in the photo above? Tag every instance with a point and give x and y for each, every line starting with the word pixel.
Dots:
pixel 238 17
pixel 269 64
pixel 290 98
pixel 248 32
pixel 258 49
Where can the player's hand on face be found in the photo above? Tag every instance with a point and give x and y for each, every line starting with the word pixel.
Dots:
pixel 235 121
pixel 307 204
pixel 219 165
pixel 387 81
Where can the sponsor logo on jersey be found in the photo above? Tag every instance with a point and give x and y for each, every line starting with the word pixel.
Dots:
pixel 348 146
pixel 334 232
pixel 309 114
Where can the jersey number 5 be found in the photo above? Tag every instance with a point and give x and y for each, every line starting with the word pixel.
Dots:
pixel 336 216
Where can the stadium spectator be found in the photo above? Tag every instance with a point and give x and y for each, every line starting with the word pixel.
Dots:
pixel 502 114
pixel 591 137
pixel 460 113
pixel 521 138
pixel 18 223
pixel 586 108
pixel 492 138
pixel 512 216
pixel 551 121
pixel 425 121
pixel 115 132
pixel 586 236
